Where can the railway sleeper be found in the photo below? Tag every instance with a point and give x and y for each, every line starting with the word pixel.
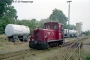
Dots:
pixel 77 45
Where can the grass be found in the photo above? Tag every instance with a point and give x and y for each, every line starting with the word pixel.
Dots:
pixel 3 38
pixel 88 57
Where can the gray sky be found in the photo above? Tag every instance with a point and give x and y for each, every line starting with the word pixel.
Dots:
pixel 41 9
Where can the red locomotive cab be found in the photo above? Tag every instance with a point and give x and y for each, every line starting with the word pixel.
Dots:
pixel 57 29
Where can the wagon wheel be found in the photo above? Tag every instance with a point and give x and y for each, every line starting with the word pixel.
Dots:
pixel 11 40
pixel 25 40
pixel 21 40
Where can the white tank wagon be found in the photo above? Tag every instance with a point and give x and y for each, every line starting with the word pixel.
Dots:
pixel 72 33
pixel 66 32
pixel 15 32
pixel 75 33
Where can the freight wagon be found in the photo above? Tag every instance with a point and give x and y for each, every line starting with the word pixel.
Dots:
pixel 15 32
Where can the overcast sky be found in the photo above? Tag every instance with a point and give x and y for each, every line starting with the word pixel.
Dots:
pixel 41 9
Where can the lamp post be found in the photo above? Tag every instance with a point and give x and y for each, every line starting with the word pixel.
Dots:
pixel 68 16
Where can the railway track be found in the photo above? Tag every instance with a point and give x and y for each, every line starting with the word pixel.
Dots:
pixel 75 46
pixel 69 49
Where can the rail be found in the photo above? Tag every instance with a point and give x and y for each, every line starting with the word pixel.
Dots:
pixel 75 45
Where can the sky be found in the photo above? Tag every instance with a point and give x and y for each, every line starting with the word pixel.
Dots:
pixel 42 9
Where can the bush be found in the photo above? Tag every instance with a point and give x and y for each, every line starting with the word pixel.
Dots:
pixel 88 57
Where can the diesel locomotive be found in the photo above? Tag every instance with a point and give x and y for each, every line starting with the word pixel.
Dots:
pixel 51 35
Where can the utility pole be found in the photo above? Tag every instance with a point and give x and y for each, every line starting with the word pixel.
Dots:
pixel 68 16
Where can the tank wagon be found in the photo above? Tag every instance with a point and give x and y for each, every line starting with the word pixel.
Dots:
pixel 72 33
pixel 15 32
pixel 51 35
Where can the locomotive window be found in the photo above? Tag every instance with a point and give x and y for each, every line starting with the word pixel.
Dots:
pixel 47 26
pixel 55 26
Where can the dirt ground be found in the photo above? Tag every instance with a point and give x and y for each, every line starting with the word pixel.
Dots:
pixel 7 47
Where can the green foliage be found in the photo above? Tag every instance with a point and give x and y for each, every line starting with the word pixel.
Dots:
pixel 11 12
pixel 32 24
pixel 4 6
pixel 88 33
pixel 88 57
pixel 72 27
pixel 7 10
pixel 42 21
pixel 3 22
pixel 7 14
pixel 58 15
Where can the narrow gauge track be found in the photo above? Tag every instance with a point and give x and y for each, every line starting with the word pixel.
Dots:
pixel 69 49
pixel 75 46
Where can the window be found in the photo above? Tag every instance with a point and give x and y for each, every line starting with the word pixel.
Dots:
pixel 47 26
pixel 55 26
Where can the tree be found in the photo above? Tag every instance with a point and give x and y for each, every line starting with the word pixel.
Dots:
pixel 7 14
pixel 32 24
pixel 3 22
pixel 7 10
pixel 3 6
pixel 42 21
pixel 72 27
pixel 11 12
pixel 59 16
